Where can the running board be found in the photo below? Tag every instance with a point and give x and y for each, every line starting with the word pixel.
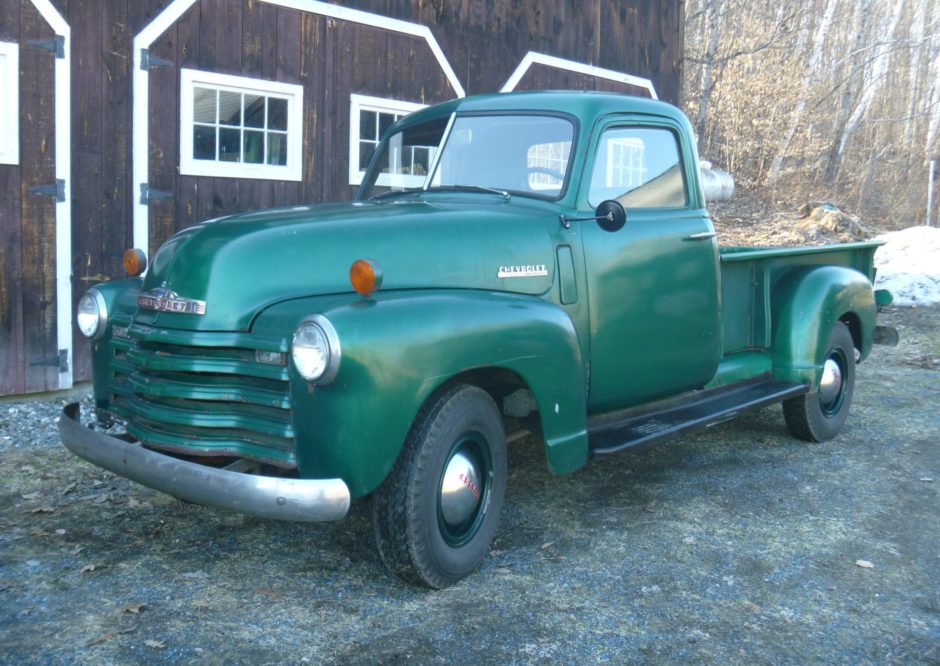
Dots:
pixel 708 408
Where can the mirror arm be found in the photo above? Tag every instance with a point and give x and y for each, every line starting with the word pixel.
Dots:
pixel 566 221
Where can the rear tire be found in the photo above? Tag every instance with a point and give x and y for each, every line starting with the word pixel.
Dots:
pixel 435 515
pixel 818 416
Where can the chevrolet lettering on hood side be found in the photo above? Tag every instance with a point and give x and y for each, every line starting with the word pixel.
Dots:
pixel 517 265
pixel 532 270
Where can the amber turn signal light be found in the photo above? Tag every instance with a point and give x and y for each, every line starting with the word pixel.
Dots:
pixel 365 276
pixel 135 261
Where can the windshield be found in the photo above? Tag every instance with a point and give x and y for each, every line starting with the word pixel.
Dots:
pixel 517 154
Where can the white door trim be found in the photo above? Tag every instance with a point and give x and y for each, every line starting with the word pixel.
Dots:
pixel 141 80
pixel 63 166
pixel 535 58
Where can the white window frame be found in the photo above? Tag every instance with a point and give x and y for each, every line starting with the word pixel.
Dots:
pixel 552 155
pixel 10 108
pixel 294 94
pixel 633 149
pixel 359 103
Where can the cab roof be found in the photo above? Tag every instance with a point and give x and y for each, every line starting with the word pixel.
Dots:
pixel 585 105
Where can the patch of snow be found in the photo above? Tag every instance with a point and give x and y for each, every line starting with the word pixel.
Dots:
pixel 909 265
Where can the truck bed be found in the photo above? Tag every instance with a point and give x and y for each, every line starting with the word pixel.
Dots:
pixel 748 277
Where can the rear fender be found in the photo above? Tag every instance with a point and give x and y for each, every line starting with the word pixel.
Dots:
pixel 398 348
pixel 805 304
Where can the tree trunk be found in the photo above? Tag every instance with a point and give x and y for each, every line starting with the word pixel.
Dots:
pixel 809 74
pixel 874 78
pixel 712 15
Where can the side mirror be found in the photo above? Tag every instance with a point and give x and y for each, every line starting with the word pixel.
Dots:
pixel 610 215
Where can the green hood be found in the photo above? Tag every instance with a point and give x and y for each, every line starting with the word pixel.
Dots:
pixel 241 264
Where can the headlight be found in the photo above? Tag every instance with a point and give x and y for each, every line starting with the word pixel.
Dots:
pixel 92 314
pixel 315 350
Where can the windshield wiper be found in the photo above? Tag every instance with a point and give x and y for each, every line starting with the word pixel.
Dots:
pixel 469 188
pixel 391 193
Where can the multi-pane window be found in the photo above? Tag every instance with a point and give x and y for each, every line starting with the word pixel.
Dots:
pixel 9 107
pixel 372 125
pixel 370 118
pixel 626 165
pixel 547 163
pixel 233 126
pixel 640 167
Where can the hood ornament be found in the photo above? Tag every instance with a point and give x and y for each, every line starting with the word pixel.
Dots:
pixel 162 299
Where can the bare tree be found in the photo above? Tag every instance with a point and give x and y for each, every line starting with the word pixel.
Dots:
pixel 874 79
pixel 809 74
pixel 825 99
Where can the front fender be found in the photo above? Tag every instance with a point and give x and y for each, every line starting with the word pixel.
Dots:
pixel 398 348
pixel 806 303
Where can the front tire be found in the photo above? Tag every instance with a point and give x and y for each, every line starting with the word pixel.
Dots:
pixel 818 416
pixel 436 513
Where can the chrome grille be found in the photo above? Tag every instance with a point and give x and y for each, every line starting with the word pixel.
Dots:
pixel 202 399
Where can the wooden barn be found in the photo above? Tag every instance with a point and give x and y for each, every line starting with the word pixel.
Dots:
pixel 123 121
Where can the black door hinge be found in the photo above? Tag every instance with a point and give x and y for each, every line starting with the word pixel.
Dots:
pixel 56 189
pixel 55 45
pixel 148 60
pixel 147 194
pixel 61 361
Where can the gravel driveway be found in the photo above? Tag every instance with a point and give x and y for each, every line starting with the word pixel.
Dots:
pixel 738 545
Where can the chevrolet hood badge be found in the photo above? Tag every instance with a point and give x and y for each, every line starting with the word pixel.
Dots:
pixel 162 299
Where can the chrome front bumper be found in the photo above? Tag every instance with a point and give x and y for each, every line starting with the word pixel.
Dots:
pixel 263 496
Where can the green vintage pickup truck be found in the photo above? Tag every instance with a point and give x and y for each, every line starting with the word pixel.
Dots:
pixel 535 258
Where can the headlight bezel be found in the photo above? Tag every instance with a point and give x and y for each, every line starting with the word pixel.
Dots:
pixel 102 312
pixel 334 351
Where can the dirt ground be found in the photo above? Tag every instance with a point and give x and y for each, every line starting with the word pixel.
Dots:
pixel 749 220
pixel 738 545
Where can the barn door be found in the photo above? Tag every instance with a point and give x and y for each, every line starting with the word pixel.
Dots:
pixel 35 341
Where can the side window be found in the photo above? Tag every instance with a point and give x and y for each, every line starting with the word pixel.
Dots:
pixel 639 167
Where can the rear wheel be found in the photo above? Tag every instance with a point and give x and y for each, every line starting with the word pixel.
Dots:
pixel 818 416
pixel 436 513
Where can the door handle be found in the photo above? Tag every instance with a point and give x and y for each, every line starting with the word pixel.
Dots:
pixel 705 235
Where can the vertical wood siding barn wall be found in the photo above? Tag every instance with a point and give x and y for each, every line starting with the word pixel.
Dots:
pixel 29 339
pixel 330 58
pixel 483 40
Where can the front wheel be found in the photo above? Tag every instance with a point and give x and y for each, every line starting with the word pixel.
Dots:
pixel 436 513
pixel 818 416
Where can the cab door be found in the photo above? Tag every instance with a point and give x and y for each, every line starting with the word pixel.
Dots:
pixel 653 285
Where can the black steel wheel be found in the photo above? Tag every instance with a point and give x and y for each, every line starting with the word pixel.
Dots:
pixel 436 513
pixel 818 416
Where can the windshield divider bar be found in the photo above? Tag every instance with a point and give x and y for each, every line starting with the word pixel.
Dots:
pixel 437 156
